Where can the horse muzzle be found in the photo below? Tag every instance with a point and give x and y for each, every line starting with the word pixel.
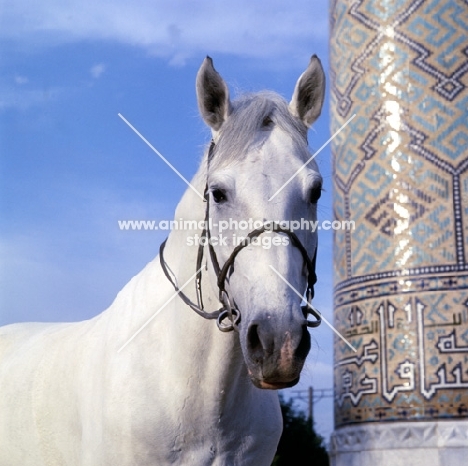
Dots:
pixel 275 356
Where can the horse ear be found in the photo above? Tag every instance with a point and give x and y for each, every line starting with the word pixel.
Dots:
pixel 307 99
pixel 212 95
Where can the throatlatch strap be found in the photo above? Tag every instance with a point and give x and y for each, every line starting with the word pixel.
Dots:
pixel 183 296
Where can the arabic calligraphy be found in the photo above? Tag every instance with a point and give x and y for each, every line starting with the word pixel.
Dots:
pixel 404 370
pixel 410 351
pixel 368 354
pixel 448 344
pixel 445 344
pixel 365 381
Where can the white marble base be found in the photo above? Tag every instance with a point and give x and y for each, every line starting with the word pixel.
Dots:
pixel 438 443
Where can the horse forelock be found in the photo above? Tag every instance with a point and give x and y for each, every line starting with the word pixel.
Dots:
pixel 250 115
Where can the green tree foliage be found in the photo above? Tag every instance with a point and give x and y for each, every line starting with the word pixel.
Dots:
pixel 299 444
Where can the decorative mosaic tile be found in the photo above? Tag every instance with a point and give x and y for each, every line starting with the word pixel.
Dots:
pixel 401 173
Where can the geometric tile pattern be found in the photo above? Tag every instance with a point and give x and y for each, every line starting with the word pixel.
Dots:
pixel 401 174
pixel 407 435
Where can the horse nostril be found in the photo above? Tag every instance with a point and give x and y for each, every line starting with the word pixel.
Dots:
pixel 303 348
pixel 254 343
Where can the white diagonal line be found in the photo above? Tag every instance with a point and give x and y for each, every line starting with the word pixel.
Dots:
pixel 160 155
pixel 159 310
pixel 321 315
pixel 315 155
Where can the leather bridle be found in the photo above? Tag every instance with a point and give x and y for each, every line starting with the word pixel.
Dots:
pixel 228 309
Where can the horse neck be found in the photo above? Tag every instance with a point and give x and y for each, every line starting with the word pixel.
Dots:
pixel 217 354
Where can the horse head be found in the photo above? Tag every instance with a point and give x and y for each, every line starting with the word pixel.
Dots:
pixel 260 179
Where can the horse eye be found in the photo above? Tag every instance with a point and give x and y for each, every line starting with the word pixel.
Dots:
pixel 267 122
pixel 315 194
pixel 219 195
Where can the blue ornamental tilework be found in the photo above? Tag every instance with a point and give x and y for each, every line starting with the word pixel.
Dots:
pixel 464 189
pixel 401 174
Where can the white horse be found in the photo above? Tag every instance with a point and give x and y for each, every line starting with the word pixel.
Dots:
pixel 181 391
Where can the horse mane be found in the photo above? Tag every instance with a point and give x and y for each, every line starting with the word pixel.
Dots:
pixel 252 113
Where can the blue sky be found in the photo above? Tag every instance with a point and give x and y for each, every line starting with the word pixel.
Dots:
pixel 70 168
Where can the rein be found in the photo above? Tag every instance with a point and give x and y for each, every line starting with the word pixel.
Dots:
pixel 228 310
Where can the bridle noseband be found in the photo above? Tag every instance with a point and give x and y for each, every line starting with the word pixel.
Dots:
pixel 228 309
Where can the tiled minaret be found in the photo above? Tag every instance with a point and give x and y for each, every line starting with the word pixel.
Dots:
pixel 401 277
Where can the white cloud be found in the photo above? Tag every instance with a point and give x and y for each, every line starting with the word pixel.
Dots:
pixel 12 97
pixel 97 70
pixel 175 30
pixel 21 80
